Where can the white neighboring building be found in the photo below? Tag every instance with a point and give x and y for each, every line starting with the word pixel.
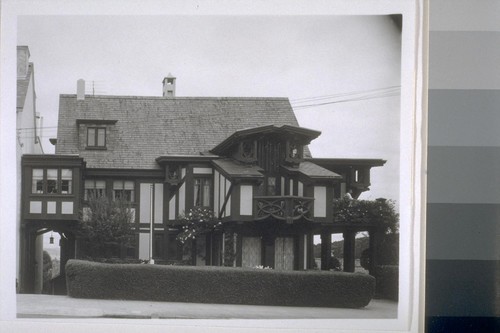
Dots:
pixel 28 127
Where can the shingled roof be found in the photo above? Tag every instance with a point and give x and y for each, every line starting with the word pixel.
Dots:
pixel 148 127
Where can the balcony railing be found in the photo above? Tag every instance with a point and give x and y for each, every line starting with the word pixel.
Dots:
pixel 286 208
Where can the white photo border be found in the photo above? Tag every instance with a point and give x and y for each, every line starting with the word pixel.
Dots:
pixel 412 158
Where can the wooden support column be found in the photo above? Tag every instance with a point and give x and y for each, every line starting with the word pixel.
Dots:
pixel 310 251
pixel 349 250
pixel 326 249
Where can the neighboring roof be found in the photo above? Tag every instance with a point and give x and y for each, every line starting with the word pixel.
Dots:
pixel 312 170
pixel 22 87
pixel 233 169
pixel 149 127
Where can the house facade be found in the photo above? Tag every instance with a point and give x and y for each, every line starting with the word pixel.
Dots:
pixel 28 133
pixel 245 159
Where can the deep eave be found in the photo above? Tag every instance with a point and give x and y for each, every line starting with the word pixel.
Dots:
pixel 52 160
pixel 331 162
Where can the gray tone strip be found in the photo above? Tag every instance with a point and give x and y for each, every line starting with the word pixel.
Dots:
pixel 464 117
pixel 464 60
pixel 464 15
pixel 460 231
pixel 463 175
pixel 462 288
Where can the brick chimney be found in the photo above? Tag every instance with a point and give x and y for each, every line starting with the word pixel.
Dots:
pixel 80 90
pixel 169 86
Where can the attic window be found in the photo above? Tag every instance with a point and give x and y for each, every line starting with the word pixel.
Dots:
pixel 96 137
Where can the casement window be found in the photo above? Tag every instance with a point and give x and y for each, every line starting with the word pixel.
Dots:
pixel 96 137
pixel 52 181
pixel 37 181
pixel 202 191
pixel 123 189
pixel 66 181
pixel 94 188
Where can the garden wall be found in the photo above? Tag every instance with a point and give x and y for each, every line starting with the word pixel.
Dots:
pixel 224 285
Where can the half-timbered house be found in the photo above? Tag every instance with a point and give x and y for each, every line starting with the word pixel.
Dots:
pixel 247 159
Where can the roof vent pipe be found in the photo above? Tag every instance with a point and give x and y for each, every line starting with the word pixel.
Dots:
pixel 80 90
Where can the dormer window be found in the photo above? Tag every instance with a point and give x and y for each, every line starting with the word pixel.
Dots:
pixel 96 133
pixel 96 137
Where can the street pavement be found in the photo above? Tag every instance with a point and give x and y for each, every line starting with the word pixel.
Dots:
pixel 49 306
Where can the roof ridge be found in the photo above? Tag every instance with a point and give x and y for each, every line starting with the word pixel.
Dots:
pixel 177 98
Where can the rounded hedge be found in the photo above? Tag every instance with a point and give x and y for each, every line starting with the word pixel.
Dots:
pixel 226 285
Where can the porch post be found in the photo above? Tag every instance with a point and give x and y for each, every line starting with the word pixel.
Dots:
pixel 349 249
pixel 326 249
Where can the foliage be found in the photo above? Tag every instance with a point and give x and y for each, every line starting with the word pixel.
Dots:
pixel 380 212
pixel 105 225
pixel 218 285
pixel 387 277
pixel 47 271
pixel 198 221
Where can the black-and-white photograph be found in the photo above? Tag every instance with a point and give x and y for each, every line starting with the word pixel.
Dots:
pixel 209 167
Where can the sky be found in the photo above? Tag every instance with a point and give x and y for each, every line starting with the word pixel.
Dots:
pixel 341 73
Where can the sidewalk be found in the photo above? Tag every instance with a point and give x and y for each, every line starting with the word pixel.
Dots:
pixel 48 306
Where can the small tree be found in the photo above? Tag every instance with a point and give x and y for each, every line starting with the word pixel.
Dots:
pixel 105 226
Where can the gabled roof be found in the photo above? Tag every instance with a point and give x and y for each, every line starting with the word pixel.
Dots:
pixel 149 127
pixel 304 135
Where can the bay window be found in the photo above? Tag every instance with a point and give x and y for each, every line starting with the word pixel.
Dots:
pixel 52 181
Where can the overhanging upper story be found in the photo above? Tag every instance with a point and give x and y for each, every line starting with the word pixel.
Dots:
pixel 245 158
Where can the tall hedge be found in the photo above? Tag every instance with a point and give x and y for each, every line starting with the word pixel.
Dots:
pixel 218 285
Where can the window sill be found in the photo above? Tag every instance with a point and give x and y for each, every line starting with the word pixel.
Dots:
pixel 96 148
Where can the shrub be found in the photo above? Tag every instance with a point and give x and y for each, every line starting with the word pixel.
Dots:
pixel 387 284
pixel 224 285
pixel 104 227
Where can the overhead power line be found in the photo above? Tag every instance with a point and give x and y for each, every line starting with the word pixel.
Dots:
pixel 345 97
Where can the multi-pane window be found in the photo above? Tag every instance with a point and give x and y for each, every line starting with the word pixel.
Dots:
pixel 66 181
pixel 202 191
pixel 123 189
pixel 37 181
pixel 96 137
pixel 52 181
pixel 94 188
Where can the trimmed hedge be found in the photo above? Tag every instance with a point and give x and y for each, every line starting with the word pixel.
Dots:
pixel 387 285
pixel 224 285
